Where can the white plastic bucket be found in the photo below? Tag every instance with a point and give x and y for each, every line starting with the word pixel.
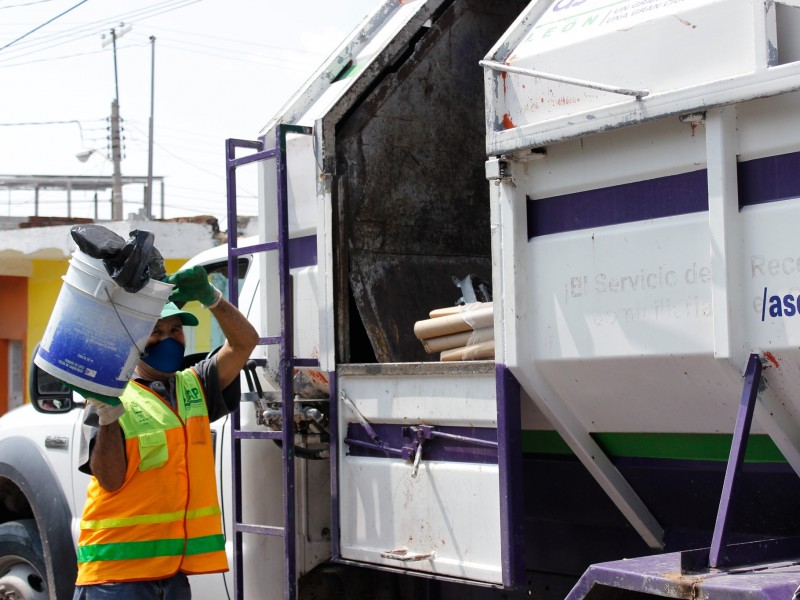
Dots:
pixel 97 329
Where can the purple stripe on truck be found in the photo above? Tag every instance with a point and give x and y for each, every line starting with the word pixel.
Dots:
pixel 638 201
pixel 769 179
pixel 761 181
pixel 303 252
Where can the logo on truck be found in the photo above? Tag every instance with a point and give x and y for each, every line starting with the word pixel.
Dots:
pixel 774 304
pixel 779 306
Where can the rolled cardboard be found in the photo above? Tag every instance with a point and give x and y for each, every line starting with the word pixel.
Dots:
pixel 452 310
pixel 456 340
pixel 476 352
pixel 467 320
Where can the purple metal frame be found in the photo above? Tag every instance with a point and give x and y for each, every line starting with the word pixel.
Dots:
pixel 287 360
pixel 509 460
pixel 333 425
pixel 763 569
pixel 660 575
pixel 744 419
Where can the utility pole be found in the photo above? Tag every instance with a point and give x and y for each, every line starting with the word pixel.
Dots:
pixel 148 193
pixel 116 138
pixel 116 158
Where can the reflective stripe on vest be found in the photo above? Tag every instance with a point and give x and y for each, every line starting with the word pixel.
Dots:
pixel 156 523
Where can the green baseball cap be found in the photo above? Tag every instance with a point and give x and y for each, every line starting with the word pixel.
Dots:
pixel 187 318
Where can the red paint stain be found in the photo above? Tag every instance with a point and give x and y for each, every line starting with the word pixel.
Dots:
pixel 507 122
pixel 771 358
pixel 503 74
pixel 318 377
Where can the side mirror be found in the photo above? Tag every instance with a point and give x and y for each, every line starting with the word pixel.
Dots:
pixel 49 394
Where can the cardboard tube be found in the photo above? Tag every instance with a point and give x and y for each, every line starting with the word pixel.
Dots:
pixel 464 321
pixel 452 310
pixel 477 352
pixel 456 340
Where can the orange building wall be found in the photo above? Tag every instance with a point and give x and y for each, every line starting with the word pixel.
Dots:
pixel 13 326
pixel 3 376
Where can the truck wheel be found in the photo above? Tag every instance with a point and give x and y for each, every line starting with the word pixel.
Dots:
pixel 22 572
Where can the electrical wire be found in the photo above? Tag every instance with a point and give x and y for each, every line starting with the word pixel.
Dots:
pixel 96 27
pixel 239 41
pixel 39 60
pixel 258 60
pixel 23 124
pixel 26 4
pixel 186 162
pixel 176 44
pixel 42 25
pixel 242 192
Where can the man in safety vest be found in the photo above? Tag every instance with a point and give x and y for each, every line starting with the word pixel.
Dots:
pixel 151 516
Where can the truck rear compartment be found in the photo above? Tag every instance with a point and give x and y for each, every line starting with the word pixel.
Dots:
pixel 612 313
pixel 411 197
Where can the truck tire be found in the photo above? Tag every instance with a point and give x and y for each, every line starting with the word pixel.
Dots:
pixel 25 468
pixel 22 572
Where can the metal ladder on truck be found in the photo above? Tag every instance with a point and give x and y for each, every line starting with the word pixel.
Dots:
pixel 287 360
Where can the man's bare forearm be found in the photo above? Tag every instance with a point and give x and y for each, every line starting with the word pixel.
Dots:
pixel 108 457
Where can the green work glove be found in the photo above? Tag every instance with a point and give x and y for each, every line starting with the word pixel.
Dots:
pixel 192 284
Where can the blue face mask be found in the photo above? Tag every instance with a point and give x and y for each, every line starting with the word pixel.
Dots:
pixel 165 356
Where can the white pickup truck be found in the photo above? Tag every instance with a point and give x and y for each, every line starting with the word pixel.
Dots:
pixel 42 492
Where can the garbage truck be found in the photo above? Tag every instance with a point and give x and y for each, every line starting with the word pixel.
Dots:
pixel 615 184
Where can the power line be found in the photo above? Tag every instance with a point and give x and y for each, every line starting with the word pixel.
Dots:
pixel 43 24
pixel 245 42
pixel 72 34
pixel 265 61
pixel 39 123
pixel 26 4
pixel 33 123
pixel 76 33
pixel 38 60
pixel 275 63
pixel 194 166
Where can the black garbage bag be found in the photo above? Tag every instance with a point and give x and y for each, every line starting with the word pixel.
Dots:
pixel 155 265
pixel 129 263
pixel 97 241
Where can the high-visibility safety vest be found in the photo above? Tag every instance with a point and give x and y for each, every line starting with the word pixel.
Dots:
pixel 165 518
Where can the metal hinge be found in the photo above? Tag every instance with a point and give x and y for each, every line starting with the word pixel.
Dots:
pixel 496 169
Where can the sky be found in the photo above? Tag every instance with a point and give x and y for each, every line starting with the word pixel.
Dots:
pixel 220 69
